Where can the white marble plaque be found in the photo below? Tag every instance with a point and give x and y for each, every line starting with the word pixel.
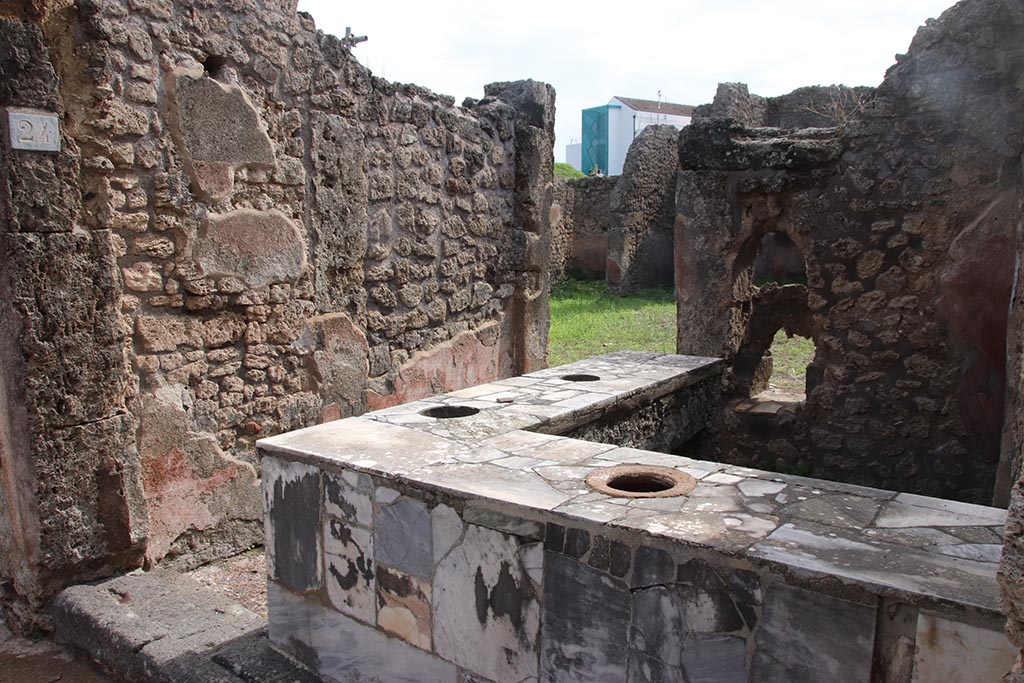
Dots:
pixel 36 131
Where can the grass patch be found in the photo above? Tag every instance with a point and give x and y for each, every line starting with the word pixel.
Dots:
pixel 567 170
pixel 588 320
pixel 790 357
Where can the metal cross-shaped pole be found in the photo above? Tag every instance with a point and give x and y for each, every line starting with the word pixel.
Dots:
pixel 350 41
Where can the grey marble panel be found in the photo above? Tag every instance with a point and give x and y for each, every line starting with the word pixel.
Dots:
pixel 403 538
pixel 345 650
pixel 586 623
pixel 485 607
pixel 808 637
pixel 292 501
pixel 716 660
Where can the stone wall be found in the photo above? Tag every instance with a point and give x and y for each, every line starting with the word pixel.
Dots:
pixel 813 106
pixel 562 204
pixel 1011 570
pixel 245 232
pixel 642 213
pixel 591 219
pixel 906 217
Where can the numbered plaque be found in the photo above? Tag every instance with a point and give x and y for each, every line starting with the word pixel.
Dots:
pixel 35 131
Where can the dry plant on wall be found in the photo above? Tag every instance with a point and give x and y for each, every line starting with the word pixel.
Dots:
pixel 841 105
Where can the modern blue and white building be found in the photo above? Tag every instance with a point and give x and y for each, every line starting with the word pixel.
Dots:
pixel 608 131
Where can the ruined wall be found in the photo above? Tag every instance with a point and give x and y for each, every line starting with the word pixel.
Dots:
pixel 1011 569
pixel 642 213
pixel 563 198
pixel 906 217
pixel 245 233
pixel 591 219
pixel 815 106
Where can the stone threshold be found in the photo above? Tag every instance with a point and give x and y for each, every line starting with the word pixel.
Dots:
pixel 165 627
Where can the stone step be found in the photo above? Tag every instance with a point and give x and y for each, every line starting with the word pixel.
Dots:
pixel 165 627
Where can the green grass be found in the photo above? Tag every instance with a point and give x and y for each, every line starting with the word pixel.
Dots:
pixel 587 320
pixel 790 357
pixel 564 169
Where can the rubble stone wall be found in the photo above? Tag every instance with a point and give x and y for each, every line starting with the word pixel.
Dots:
pixel 591 220
pixel 906 216
pixel 245 232
pixel 642 213
pixel 815 106
pixel 562 205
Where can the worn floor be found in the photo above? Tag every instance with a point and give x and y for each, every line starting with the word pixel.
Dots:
pixel 24 661
pixel 242 578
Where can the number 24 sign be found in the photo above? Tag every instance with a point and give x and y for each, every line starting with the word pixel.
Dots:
pixel 39 132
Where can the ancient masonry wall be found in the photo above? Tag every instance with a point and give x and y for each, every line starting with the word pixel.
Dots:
pixel 907 218
pixel 813 106
pixel 591 219
pixel 620 228
pixel 642 213
pixel 245 232
pixel 562 204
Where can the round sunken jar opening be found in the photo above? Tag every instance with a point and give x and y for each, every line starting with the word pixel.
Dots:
pixel 641 481
pixel 448 412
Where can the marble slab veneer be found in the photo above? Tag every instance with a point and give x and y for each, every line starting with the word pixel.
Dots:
pixel 413 548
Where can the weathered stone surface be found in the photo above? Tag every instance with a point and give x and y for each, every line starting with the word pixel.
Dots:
pixel 157 625
pixel 348 496
pixel 464 361
pixel 805 636
pixel 909 374
pixel 259 247
pixel 581 235
pixel 340 354
pixel 959 652
pixel 289 232
pixel 404 606
pixel 642 212
pixel 403 537
pixel 191 485
pixel 486 612
pixel 65 289
pixel 348 649
pixel 716 660
pixel 291 498
pixel 586 623
pixel 349 569
pixel 219 130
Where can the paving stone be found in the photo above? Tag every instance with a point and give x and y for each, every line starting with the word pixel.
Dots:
pixel 253 659
pixel 157 625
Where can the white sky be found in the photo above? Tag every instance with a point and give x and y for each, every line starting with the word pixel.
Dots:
pixel 592 51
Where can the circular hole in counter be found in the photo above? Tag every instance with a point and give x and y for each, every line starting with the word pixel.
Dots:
pixel 580 378
pixel 448 412
pixel 641 481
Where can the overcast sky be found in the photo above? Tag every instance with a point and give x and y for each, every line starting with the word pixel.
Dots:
pixel 592 51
